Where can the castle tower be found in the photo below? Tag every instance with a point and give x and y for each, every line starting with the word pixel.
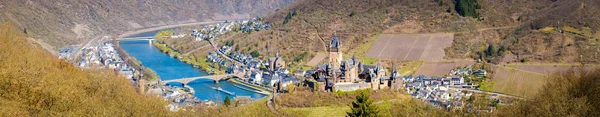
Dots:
pixel 376 76
pixel 335 52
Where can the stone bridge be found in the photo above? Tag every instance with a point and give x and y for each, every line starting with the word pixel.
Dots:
pixel 215 78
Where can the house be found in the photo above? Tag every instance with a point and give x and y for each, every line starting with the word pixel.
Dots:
pixel 299 73
pixel 269 79
pixel 480 72
pixel 445 96
pixel 256 77
pixel 287 80
pixel 457 80
pixel 447 81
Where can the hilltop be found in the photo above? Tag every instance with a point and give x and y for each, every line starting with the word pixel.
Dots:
pixel 66 22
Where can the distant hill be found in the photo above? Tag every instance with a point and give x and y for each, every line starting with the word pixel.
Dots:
pixel 64 22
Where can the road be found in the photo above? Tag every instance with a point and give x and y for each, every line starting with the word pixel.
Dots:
pixel 87 44
pixel 485 92
pixel 223 55
pixel 130 33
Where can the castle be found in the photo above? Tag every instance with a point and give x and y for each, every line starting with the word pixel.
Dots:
pixel 351 74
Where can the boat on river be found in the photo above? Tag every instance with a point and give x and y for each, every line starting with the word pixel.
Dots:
pixel 224 91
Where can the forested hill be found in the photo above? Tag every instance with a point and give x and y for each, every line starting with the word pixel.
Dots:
pixel 64 22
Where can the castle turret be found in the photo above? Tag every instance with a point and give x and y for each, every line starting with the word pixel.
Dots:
pixel 335 52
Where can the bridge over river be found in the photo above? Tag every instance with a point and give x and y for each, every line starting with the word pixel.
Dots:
pixel 149 39
pixel 215 78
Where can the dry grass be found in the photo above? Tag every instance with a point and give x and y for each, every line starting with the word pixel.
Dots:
pixel 35 83
pixel 517 82
pixel 323 111
pixel 363 48
pixel 410 67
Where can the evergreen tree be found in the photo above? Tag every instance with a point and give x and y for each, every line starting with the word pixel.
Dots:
pixel 227 101
pixel 490 50
pixel 294 13
pixel 467 8
pixel 363 107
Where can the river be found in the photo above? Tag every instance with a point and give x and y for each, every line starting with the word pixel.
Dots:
pixel 170 68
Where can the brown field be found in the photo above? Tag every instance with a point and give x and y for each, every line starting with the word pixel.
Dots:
pixel 411 46
pixel 316 60
pixel 517 82
pixel 441 68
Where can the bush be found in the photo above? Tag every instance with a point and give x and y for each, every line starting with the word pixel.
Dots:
pixel 255 54
pixel 300 57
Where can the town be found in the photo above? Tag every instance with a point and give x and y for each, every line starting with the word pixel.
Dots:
pixel 335 74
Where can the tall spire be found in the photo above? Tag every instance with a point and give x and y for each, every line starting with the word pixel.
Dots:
pixel 353 59
pixel 277 54
pixel 335 42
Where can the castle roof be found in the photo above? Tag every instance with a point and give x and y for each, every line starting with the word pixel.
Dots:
pixel 335 42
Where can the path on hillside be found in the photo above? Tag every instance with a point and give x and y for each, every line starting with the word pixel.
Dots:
pixel 270 105
pixel 44 45
pixel 517 69
pixel 485 29
pixel 192 51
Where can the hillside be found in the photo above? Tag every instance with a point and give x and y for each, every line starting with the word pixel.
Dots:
pixel 34 83
pixel 65 22
pixel 514 26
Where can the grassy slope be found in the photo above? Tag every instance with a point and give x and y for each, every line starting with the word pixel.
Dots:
pixel 32 82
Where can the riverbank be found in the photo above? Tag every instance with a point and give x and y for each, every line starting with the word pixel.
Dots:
pixel 149 74
pixel 198 62
pixel 260 89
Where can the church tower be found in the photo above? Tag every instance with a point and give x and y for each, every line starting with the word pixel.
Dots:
pixel 335 52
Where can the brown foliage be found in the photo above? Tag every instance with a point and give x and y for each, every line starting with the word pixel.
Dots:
pixel 573 93
pixel 34 83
